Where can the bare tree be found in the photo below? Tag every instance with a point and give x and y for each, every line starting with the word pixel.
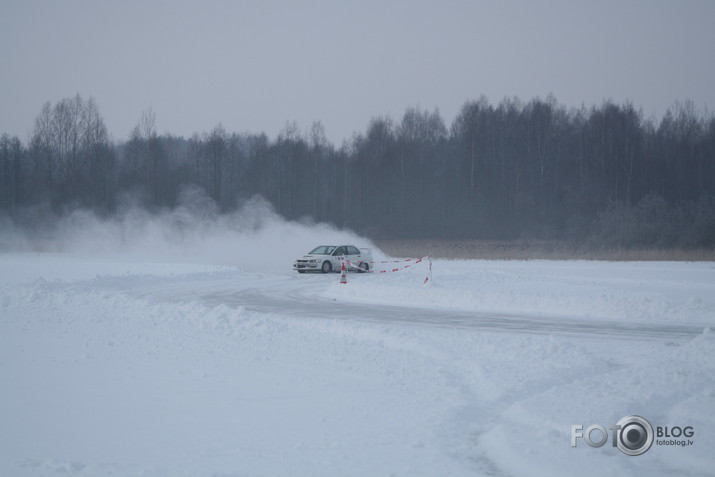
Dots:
pixel 72 152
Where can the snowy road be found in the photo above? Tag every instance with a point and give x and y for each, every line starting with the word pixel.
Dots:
pixel 124 367
pixel 300 296
pixel 293 303
pixel 304 296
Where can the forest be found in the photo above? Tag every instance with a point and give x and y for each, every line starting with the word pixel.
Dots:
pixel 601 176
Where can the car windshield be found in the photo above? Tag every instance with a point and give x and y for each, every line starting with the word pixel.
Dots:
pixel 323 250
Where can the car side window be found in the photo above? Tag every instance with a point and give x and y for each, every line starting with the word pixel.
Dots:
pixel 340 251
pixel 353 251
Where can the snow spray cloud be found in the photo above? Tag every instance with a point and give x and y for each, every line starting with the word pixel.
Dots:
pixel 253 238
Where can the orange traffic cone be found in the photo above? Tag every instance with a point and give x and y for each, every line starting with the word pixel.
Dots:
pixel 343 273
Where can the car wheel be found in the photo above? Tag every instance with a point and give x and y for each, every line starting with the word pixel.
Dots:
pixel 364 267
pixel 301 271
pixel 327 267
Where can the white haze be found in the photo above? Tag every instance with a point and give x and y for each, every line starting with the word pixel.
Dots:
pixel 253 238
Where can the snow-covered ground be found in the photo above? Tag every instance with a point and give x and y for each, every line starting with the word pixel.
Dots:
pixel 181 344
pixel 120 367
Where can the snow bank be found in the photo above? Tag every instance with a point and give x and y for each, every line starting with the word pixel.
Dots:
pixel 103 383
pixel 670 386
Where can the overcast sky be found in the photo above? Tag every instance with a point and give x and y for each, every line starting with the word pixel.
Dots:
pixel 253 66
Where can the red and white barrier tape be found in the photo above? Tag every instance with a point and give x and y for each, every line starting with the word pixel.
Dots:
pixel 414 261
pixel 417 260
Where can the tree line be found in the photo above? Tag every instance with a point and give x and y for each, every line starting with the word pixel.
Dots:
pixel 603 176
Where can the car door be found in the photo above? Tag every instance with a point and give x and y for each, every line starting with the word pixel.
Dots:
pixel 354 254
pixel 360 260
pixel 339 255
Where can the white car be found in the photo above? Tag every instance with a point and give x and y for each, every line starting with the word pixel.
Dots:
pixel 328 258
